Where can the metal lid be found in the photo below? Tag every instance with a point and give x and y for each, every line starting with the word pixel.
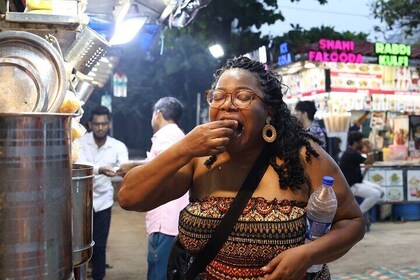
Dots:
pixel 21 89
pixel 43 57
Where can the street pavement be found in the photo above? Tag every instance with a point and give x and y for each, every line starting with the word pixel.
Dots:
pixel 388 247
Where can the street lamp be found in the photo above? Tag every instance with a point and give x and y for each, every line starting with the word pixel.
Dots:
pixel 216 51
pixel 127 29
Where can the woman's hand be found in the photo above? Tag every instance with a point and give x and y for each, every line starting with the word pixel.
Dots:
pixel 291 264
pixel 210 138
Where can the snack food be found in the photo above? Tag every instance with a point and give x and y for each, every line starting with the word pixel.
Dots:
pixel 77 130
pixel 71 103
pixel 394 194
pixel 377 177
pixel 394 178
pixel 364 68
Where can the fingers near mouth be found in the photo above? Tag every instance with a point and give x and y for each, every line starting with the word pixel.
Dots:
pixel 228 123
pixel 220 149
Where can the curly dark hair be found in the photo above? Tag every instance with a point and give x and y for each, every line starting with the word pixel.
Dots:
pixel 291 136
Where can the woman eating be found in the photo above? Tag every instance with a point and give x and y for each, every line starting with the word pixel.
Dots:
pixel 248 117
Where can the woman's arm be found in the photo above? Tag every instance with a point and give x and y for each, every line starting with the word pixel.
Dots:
pixel 348 226
pixel 169 175
pixel 164 178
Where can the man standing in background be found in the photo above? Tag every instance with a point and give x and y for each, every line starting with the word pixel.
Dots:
pixel 162 222
pixel 305 112
pixel 104 153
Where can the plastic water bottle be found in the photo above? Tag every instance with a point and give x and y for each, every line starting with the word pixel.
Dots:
pixel 320 212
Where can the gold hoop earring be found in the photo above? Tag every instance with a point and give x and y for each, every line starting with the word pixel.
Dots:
pixel 269 133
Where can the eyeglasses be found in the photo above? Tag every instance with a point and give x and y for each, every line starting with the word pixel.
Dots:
pixel 240 98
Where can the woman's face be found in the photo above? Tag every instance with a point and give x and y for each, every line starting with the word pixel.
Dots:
pixel 251 119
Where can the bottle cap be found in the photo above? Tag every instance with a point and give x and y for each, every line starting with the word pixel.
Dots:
pixel 328 181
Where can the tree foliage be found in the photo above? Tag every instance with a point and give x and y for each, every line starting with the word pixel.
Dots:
pixel 183 70
pixel 396 14
pixel 234 24
pixel 185 67
pixel 298 37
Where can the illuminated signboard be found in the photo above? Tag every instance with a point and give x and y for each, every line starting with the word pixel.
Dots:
pixel 335 51
pixel 258 55
pixel 392 54
pixel 285 56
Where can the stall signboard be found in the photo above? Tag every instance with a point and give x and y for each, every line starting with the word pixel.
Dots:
pixel 285 56
pixel 305 83
pixel 392 182
pixel 335 51
pixel 352 77
pixel 373 78
pixel 258 55
pixel 413 185
pixel 392 54
pixel 394 185
pixel 414 131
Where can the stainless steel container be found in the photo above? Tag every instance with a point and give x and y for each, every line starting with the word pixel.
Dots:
pixel 45 74
pixel 35 196
pixel 83 90
pixel 80 272
pixel 82 197
pixel 86 50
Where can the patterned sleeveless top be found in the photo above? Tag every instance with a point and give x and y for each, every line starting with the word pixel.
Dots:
pixel 264 230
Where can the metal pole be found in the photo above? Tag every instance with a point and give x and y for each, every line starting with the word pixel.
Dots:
pixel 197 118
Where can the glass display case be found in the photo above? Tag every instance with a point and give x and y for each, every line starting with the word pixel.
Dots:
pixel 400 180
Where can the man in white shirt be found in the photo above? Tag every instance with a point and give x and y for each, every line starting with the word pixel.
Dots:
pixel 104 153
pixel 162 222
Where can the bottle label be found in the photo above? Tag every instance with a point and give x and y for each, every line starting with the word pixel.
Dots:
pixel 315 230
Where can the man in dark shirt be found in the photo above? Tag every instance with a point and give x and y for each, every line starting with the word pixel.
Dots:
pixel 350 166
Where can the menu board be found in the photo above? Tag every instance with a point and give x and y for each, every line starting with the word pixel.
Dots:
pixel 394 185
pixel 414 131
pixel 305 83
pixel 413 185
pixel 376 87
pixel 372 78
pixel 377 176
pixel 351 76
pixel 394 177
pixel 400 130
pixel 394 194
pixel 392 182
pixel 377 120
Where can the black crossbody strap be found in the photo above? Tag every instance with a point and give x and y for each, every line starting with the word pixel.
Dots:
pixel 229 220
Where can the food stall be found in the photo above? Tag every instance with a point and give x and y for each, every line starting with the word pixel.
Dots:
pixel 46 200
pixel 348 80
